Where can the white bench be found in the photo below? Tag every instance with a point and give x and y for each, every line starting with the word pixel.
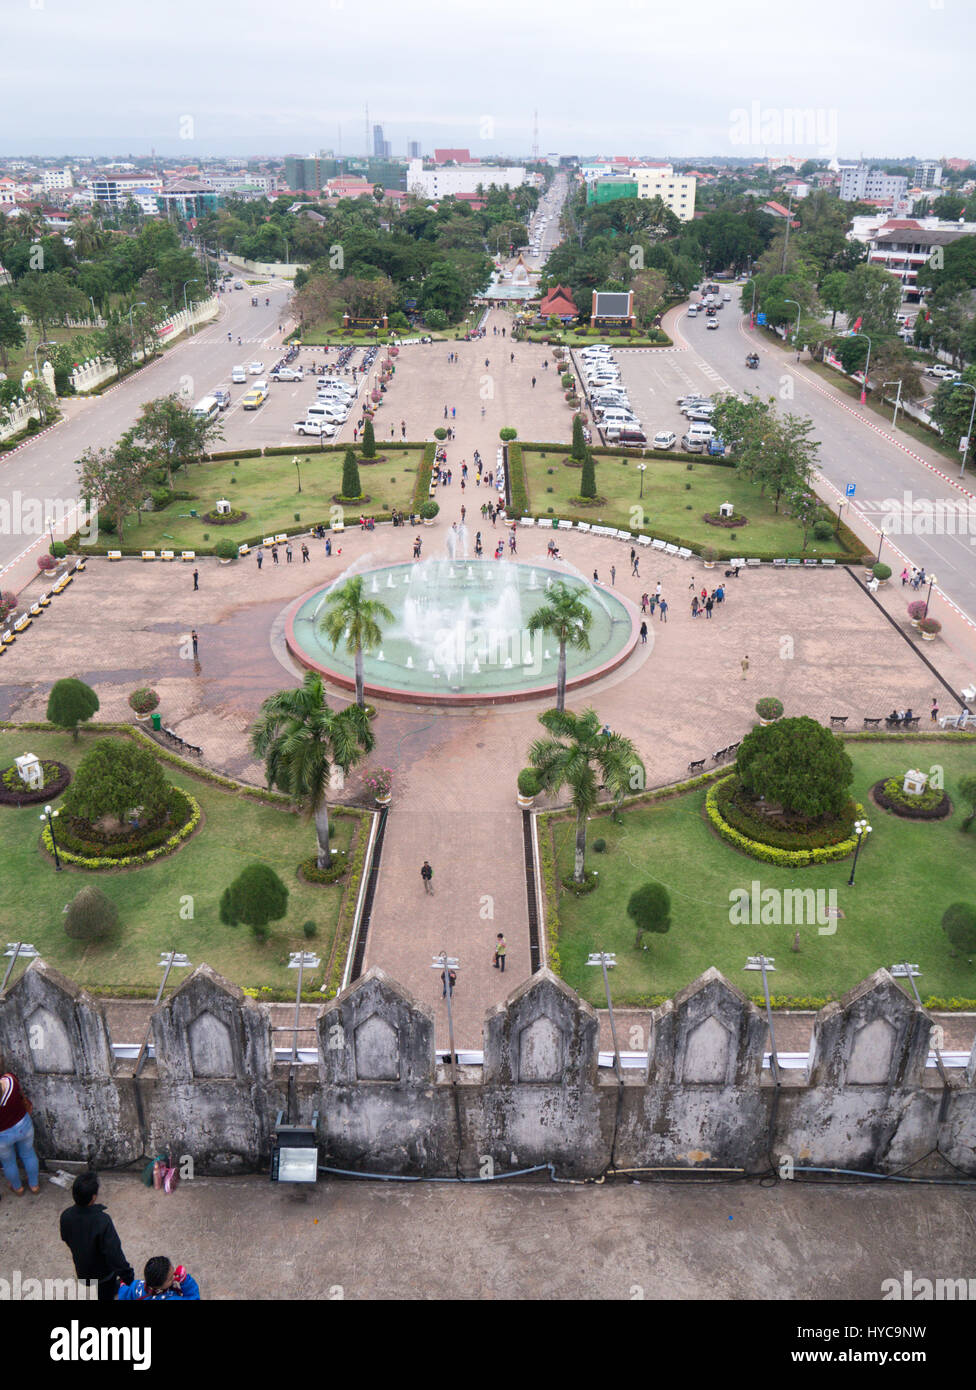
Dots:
pixel 657 544
pixel 684 552
pixel 583 526
pixel 6 639
pixel 739 562
pixel 149 554
pixel 167 555
pixel 670 549
pixel 780 562
pixel 828 562
pixel 753 563
pixel 243 550
pixel 115 555
pixel 643 540
pixel 565 525
pixel 188 555
pixel 545 521
pixel 624 536
pixel 22 623
pixel 35 610
pixel 338 526
pixel 282 537
pixel 527 521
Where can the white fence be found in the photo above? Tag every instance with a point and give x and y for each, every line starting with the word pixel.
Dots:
pixel 15 418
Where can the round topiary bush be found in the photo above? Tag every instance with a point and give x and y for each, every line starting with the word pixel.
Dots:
pixel 881 572
pixel 796 764
pixel 822 531
pixel 649 908
pixel 58 549
pixel 144 700
pixel 507 434
pixel 226 550
pixel 959 925
pixel 309 929
pixel 769 707
pixel 528 782
pixel 91 915
pixel 917 610
pixel 599 846
pixel 429 509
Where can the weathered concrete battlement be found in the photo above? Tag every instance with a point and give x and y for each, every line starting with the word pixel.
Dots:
pixel 385 1103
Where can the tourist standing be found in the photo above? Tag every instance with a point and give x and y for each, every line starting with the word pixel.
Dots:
pixel 427 874
pixel 17 1136
pixel 643 634
pixel 663 608
pixel 613 575
pixel 196 580
pixel 260 558
pixel 744 663
pixel 161 1283
pixel 89 1233
pixel 500 952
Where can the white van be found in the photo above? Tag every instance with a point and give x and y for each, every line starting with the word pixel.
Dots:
pixel 702 432
pixel 616 415
pixel 207 409
pixel 334 414
pixel 238 376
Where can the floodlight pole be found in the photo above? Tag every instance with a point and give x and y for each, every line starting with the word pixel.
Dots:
pixel 906 969
pixel 760 964
pixel 446 963
pixel 15 949
pixel 167 961
pixel 600 958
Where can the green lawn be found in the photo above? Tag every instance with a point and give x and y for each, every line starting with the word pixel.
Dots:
pixel 675 499
pixel 907 875
pixel 235 831
pixel 267 489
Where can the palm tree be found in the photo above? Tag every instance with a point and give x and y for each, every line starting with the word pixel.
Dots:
pixel 566 618
pixel 351 615
pixel 577 748
pixel 300 739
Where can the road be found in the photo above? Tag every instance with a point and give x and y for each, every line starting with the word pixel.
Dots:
pixel 40 478
pixel 904 488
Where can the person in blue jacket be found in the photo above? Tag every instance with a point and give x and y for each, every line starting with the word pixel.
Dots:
pixel 161 1283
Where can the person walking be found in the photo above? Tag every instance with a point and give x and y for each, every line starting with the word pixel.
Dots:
pixel 453 411
pixel 161 1283
pixel 194 640
pixel 634 566
pixel 744 663
pixel 196 580
pixel 403 429
pixel 463 514
pixel 596 577
pixel 427 874
pixel 288 552
pixel 709 604
pixel 260 558
pixel 645 600
pixel 663 609
pixel 658 589
pixel 89 1233
pixel 445 412
pixel 694 606
pixel 643 634
pixel 511 357
pixel 934 711
pixel 416 547
pixel 533 382
pixel 500 952
pixel 17 1136
pixel 305 555
pixel 274 553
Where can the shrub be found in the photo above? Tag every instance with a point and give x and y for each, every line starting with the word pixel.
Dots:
pixel 710 554
pixel 917 609
pixel 649 908
pixel 309 929
pixel 599 846
pixel 70 703
pixel 58 549
pixel 436 319
pixel 369 441
pixel 429 509
pixel 440 432
pixel 959 925
pixel 881 571
pixel 588 476
pixel 967 790
pixel 822 531
pixel 578 451
pixel 46 563
pixel 144 700
pixel 798 764
pixel 226 550
pixel 933 804
pixel 161 497
pixel 930 625
pixel 528 782
pixel 256 897
pixel 507 434
pixel 313 874
pixel 8 605
pixel 351 486
pixel 769 707
pixel 91 915
pixel 113 778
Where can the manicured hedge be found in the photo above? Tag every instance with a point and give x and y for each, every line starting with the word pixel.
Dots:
pixel 741 819
pixel 768 854
pixel 171 843
pixel 421 491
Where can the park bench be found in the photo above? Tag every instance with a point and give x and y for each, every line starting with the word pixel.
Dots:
pixel 697 766
pixel 873 723
pixel 838 721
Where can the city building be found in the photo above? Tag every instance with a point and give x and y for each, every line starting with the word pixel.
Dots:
pixel 240 183
pixel 53 179
pixel 859 184
pixel 413 149
pixel 676 191
pixel 444 182
pixel 381 147
pixel 188 198
pixel 608 190
pixel 928 174
pixel 558 303
pixel 452 156
pixel 115 190
pixel 905 246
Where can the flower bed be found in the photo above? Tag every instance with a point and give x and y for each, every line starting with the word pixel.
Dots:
pixel 309 871
pixel 160 840
pixel 728 523
pixel 230 518
pixel 14 792
pixel 822 843
pixel 933 804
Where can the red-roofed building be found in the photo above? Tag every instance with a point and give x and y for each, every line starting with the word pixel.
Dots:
pixel 458 156
pixel 558 303
pixel 475 201
pixel 778 210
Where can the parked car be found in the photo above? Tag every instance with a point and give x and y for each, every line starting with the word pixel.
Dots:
pixel 664 439
pixel 701 413
pixel 238 284
pixel 253 399
pixel 238 376
pixel 315 427
pixel 941 371
pixel 222 397
pixel 628 437
pixel 693 399
pixel 288 374
pixel 692 445
pixel 712 323
pixel 255 368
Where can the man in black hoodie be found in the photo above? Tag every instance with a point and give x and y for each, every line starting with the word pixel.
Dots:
pixel 90 1235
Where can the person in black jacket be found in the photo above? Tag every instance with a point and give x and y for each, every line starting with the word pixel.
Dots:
pixel 90 1235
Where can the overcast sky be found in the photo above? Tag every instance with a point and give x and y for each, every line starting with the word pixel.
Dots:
pixel 195 78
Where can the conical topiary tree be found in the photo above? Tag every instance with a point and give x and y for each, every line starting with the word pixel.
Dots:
pixel 369 441
pixel 588 480
pixel 578 451
pixel 70 703
pixel 352 488
pixel 649 908
pixel 90 915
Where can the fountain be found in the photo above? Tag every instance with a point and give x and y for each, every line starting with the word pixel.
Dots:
pixel 462 631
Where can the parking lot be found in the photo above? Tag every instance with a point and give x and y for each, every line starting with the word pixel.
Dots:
pixel 273 422
pixel 654 378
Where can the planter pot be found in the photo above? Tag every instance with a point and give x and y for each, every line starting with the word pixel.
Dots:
pixel 142 718
pixel 914 622
pixel 929 636
pixel 429 521
pixel 226 562
pixel 709 564
pixel 765 722
pixel 384 800
pixel 525 802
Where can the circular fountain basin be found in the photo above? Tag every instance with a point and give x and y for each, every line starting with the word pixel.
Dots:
pixel 459 634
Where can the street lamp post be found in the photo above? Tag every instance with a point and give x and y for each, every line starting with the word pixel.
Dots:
pixel 966 441
pixel 932 582
pixel 140 304
pixel 48 815
pixel 642 469
pixel 861 828
pixel 298 470
pixel 867 363
pixel 797 336
pixel 880 544
pixel 786 239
